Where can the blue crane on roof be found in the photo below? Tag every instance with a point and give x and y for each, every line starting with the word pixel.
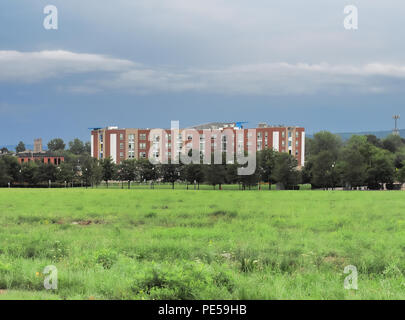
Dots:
pixel 239 124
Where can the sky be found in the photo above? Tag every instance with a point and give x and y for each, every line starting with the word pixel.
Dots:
pixel 143 63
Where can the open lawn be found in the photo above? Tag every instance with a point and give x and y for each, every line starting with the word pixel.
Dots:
pixel 179 244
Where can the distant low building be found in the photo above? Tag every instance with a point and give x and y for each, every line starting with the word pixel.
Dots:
pixel 39 155
pixel 44 157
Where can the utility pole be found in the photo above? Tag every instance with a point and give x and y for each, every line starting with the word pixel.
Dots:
pixel 396 131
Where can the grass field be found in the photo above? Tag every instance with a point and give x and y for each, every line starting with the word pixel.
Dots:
pixel 178 244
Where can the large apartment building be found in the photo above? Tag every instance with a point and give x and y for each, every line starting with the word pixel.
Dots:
pixel 121 144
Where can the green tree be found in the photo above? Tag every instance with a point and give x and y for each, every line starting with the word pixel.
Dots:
pixel 170 173
pixel 194 172
pixel 322 141
pixel 146 170
pixel 352 168
pixel 77 147
pixel 401 174
pixel 92 171
pixel 108 169
pixel 265 165
pixel 127 171
pixel 381 169
pixel 215 174
pixel 56 144
pixel 46 172
pixel 20 147
pixel 5 178
pixel 30 173
pixel 12 167
pixel 87 147
pixel 285 170
pixel 323 173
pixel 66 172
pixel 392 143
pixel 374 140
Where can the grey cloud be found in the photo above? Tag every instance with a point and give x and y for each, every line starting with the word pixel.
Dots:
pixel 251 79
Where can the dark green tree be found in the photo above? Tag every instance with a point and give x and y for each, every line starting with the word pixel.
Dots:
pixel 194 172
pixel 215 174
pixel 12 168
pixel 5 178
pixel 265 165
pixel 146 170
pixel 322 141
pixel 127 171
pixel 56 144
pixel 108 169
pixel 381 169
pixel 401 174
pixel 170 173
pixel 66 172
pixel 20 147
pixel 46 172
pixel 323 171
pixel 91 171
pixel 30 173
pixel 392 143
pixel 77 147
pixel 285 170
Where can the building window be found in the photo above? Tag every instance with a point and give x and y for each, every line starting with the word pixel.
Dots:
pixel 142 136
pixel 101 138
pixel 121 145
pixel 142 146
pixel 283 134
pixel 121 136
pixel 142 154
pixel 296 134
pixel 131 137
pixel 121 154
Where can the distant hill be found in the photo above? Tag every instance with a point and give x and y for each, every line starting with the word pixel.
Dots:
pixel 27 146
pixel 378 134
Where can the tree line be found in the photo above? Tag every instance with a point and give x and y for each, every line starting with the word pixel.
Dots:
pixel 361 161
pixel 330 163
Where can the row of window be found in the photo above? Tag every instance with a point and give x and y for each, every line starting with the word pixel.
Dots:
pixel 55 161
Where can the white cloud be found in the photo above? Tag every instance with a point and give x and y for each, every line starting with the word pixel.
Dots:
pixel 36 66
pixel 99 73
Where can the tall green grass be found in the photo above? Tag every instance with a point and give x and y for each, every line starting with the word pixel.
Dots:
pixel 177 244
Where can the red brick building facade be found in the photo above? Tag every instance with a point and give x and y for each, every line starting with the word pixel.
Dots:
pixel 46 158
pixel 122 144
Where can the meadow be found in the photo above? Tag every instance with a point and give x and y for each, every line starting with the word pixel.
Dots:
pixel 205 244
